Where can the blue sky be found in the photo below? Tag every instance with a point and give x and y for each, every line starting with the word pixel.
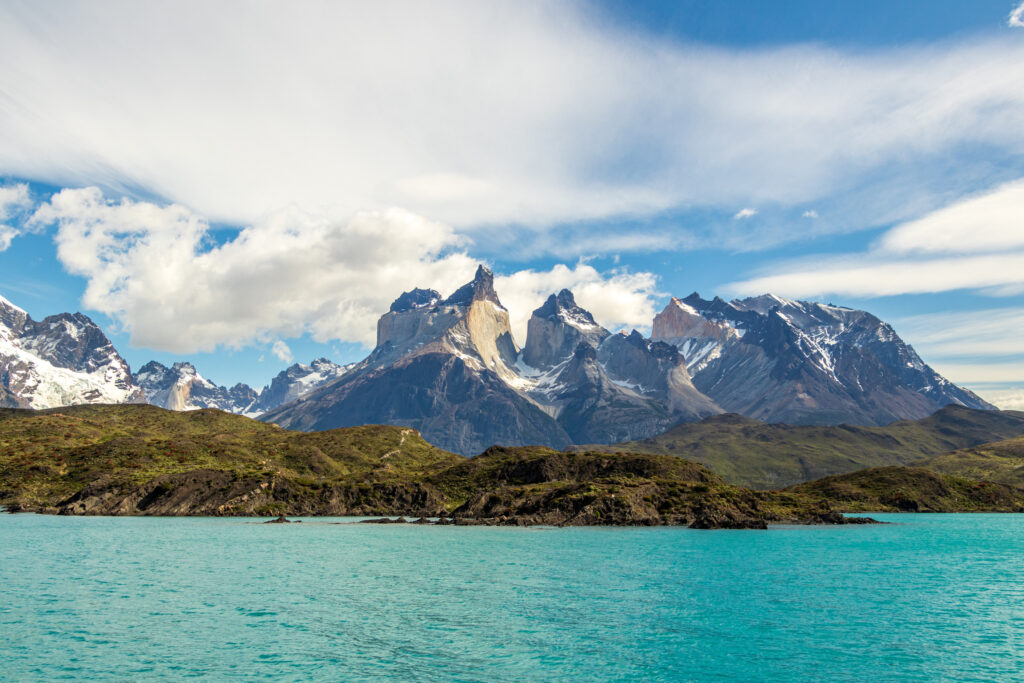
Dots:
pixel 244 185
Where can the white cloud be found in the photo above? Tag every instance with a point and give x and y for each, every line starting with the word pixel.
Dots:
pixel 745 213
pixel 1016 18
pixel 486 113
pixel 1005 398
pixel 989 222
pixel 993 332
pixel 281 350
pixel 976 243
pixel 159 271
pixel 14 199
pixel 811 213
pixel 619 299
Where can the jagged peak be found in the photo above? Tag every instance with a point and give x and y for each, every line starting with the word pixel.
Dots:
pixel 4 303
pixel 152 366
pixel 414 299
pixel 481 288
pixel 763 304
pixel 184 368
pixel 562 306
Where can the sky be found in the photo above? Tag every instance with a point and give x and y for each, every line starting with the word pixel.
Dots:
pixel 245 185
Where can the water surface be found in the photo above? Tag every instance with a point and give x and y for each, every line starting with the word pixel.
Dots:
pixel 933 597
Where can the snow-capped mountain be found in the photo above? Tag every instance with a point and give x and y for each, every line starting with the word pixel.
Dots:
pixel 801 362
pixel 181 387
pixel 297 381
pixel 450 368
pixel 62 360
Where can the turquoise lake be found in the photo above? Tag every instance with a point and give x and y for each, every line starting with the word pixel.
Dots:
pixel 930 597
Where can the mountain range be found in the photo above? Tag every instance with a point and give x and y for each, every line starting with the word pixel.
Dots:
pixel 66 359
pixel 450 368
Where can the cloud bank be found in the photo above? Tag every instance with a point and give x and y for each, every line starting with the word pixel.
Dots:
pixel 163 275
pixel 14 200
pixel 974 244
pixel 527 113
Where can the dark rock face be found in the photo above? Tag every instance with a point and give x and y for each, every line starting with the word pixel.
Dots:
pixel 804 363
pixel 453 405
pixel 415 299
pixel 480 289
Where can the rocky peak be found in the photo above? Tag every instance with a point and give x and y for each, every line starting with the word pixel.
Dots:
pixel 556 329
pixel 480 289
pixel 562 306
pixel 12 317
pixel 684 319
pixel 64 359
pixel 415 299
pixel 184 369
pixel 471 323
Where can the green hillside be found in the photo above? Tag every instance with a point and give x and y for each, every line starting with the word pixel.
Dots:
pixel 1002 461
pixel 46 456
pixel 911 489
pixel 759 455
pixel 134 459
pixel 138 459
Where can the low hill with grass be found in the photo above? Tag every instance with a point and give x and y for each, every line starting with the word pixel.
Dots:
pixel 137 459
pixel 143 460
pixel 911 489
pixel 765 456
pixel 1001 461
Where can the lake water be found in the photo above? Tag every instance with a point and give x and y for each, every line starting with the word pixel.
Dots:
pixel 933 597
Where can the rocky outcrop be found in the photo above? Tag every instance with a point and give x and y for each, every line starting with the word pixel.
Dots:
pixel 64 359
pixel 799 362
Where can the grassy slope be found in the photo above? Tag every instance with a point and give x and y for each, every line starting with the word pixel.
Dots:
pixel 166 458
pixel 178 461
pixel 751 453
pixel 1002 462
pixel 46 456
pixel 912 489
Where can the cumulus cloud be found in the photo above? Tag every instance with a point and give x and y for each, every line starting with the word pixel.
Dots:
pixel 14 199
pixel 976 243
pixel 619 299
pixel 745 213
pixel 158 270
pixel 811 213
pixel 486 113
pixel 281 350
pixel 174 286
pixel 1016 18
